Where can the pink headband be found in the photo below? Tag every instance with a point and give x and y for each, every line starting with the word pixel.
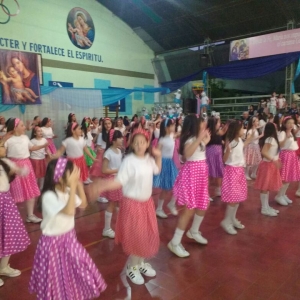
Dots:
pixel 111 135
pixel 286 118
pixel 59 168
pixel 74 125
pixel 17 121
pixel 141 131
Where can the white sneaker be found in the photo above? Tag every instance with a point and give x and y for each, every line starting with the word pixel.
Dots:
pixel 178 250
pixel 147 270
pixel 248 178
pixel 197 237
pixel 33 219
pixel 102 200
pixel 298 193
pixel 173 209
pixel 253 176
pixel 280 200
pixel 268 212
pixel 237 224
pixel 274 210
pixel 218 192
pixel 1 282
pixel 228 228
pixel 211 199
pixel 161 214
pixel 10 272
pixel 287 199
pixel 108 233
pixel 134 274
pixel 89 180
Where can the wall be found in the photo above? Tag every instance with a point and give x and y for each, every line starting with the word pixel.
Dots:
pixel 125 61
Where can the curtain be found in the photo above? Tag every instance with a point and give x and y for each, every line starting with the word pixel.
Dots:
pixel 243 69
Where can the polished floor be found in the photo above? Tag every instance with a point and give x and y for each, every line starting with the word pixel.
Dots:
pixel 261 262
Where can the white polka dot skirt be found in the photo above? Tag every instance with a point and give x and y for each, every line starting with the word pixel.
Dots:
pixel 113 195
pixel 24 188
pixel 14 237
pixel 62 269
pixel 290 168
pixel 234 185
pixel 191 185
pixel 252 155
pixel 136 228
pixel 81 164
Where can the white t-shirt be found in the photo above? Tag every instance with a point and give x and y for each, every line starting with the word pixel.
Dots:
pixel 4 131
pixel 136 176
pixel 281 102
pixel 199 153
pixel 273 101
pixel 95 129
pixel 47 132
pixel 256 135
pixel 262 125
pixel 89 139
pixel 54 222
pixel 74 148
pixel 115 159
pixel 156 133
pixel 290 143
pixel 4 183
pixel 273 151
pixel 38 154
pixel 204 100
pixel 122 129
pixel 18 146
pixel 167 144
pixel 236 156
pixel 100 142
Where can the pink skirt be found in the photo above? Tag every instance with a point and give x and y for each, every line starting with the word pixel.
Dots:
pixel 234 185
pixel 96 168
pixel 24 188
pixel 191 185
pixel 136 228
pixel 290 170
pixel 51 146
pixel 176 154
pixel 81 164
pixel 268 177
pixel 252 155
pixel 63 269
pixel 114 195
pixel 13 235
pixel 39 167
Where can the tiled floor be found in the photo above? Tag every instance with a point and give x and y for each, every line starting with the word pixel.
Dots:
pixel 261 262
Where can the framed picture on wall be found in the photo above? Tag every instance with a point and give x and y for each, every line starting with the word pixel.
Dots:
pixel 20 77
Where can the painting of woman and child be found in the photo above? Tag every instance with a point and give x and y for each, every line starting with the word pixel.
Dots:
pixel 80 28
pixel 19 78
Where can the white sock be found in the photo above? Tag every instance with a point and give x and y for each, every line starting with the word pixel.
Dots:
pixel 264 199
pixel 254 170
pixel 196 223
pixel 172 202
pixel 133 260
pixel 4 262
pixel 108 216
pixel 160 204
pixel 229 214
pixel 234 212
pixel 283 190
pixel 176 240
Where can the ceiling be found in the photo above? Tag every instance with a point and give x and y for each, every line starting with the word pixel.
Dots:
pixel 167 25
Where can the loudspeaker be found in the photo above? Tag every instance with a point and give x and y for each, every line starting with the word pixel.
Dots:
pixel 189 106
